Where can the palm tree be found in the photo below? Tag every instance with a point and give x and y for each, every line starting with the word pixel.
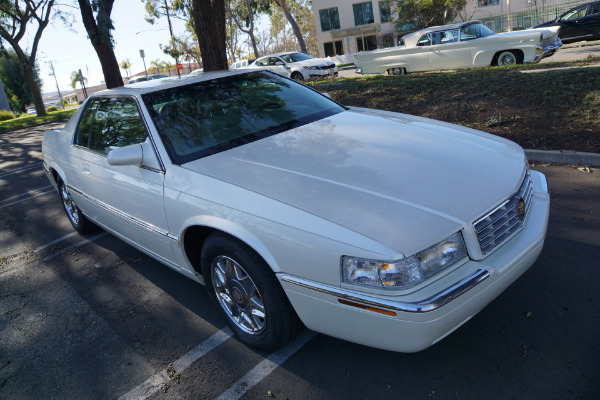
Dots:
pixel 76 78
pixel 167 66
pixel 125 64
pixel 155 65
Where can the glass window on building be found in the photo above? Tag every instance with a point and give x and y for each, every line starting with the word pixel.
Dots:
pixel 329 19
pixel 483 3
pixel 363 13
pixel 385 11
pixel 366 43
pixel 330 51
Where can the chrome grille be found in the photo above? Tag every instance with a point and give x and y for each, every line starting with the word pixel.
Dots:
pixel 504 221
pixel 330 66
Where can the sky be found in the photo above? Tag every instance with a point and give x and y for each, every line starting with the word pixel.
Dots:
pixel 69 48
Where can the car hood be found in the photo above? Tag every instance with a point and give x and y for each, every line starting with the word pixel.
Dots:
pixel 404 181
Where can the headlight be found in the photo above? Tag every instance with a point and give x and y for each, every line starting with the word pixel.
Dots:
pixel 312 68
pixel 407 272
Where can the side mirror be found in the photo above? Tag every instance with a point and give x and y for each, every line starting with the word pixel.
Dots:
pixel 135 154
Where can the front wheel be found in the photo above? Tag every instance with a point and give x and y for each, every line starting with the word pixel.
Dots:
pixel 507 58
pixel 76 217
pixel 297 76
pixel 247 293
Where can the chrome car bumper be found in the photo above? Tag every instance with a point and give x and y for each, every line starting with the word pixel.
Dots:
pixel 543 52
pixel 417 320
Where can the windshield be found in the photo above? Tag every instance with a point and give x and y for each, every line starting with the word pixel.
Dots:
pixel 294 57
pixel 208 117
pixel 474 31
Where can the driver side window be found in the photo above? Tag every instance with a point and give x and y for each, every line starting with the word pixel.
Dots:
pixel 109 123
pixel 576 13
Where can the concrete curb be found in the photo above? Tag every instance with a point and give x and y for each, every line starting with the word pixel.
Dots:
pixel 564 157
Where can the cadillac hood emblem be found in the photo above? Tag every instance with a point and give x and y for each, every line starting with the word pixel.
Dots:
pixel 521 209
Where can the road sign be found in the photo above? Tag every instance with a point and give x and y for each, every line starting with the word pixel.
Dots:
pixel 179 66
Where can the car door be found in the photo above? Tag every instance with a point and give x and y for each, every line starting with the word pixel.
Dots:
pixel 447 52
pixel 591 22
pixel 571 23
pixel 279 66
pixel 127 200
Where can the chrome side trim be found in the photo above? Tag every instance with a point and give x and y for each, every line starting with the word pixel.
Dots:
pixel 127 217
pixel 426 305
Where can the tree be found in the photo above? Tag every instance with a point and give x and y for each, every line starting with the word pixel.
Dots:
pixel 283 4
pixel 99 29
pixel 11 71
pixel 242 13
pixel 76 78
pixel 425 13
pixel 301 11
pixel 15 16
pixel 155 65
pixel 208 17
pixel 125 64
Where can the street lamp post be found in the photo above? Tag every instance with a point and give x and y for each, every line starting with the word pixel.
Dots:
pixel 57 88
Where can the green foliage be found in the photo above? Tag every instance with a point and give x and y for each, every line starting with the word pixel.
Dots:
pixel 26 120
pixel 76 78
pixel 5 115
pixel 425 13
pixel 11 72
pixel 51 109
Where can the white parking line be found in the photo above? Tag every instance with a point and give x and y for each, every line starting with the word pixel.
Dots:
pixel 153 384
pixel 29 192
pixel 27 198
pixel 265 367
pixel 86 241
pixel 60 239
pixel 22 169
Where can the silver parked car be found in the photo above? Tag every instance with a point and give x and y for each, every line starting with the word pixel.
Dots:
pixel 376 227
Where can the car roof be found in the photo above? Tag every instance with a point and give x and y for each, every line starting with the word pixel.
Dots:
pixel 414 36
pixel 169 82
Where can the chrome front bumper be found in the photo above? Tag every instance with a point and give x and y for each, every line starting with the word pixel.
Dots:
pixel 543 52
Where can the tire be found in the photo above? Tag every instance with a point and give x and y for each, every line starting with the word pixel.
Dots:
pixel 507 58
pixel 297 76
pixel 396 71
pixel 247 293
pixel 76 217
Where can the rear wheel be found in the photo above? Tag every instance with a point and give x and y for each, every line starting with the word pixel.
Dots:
pixel 396 71
pixel 247 293
pixel 507 58
pixel 76 217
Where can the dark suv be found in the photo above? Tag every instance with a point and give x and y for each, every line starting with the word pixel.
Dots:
pixel 579 23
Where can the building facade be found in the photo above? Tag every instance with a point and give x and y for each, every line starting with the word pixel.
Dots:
pixel 345 27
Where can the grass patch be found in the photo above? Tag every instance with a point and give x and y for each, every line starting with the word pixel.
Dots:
pixel 27 120
pixel 552 110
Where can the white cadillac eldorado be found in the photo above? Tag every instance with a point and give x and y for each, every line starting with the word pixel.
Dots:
pixel 379 228
pixel 464 45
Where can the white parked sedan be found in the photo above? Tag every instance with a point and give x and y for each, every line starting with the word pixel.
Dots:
pixel 462 45
pixel 379 228
pixel 298 66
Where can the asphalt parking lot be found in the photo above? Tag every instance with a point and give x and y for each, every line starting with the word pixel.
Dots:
pixel 92 318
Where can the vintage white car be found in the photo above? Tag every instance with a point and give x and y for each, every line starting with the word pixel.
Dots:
pixel 379 228
pixel 463 45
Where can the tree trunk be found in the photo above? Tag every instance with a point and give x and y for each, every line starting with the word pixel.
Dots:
pixel 209 24
pixel 102 40
pixel 36 93
pixel 293 23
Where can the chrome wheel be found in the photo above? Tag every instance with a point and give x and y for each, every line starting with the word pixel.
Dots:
pixel 69 204
pixel 238 295
pixel 507 58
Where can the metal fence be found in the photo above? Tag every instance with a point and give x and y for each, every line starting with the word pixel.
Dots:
pixel 528 17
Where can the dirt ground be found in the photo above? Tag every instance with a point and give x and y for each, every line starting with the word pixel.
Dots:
pixel 544 106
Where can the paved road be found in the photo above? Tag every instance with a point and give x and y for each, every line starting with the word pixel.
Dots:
pixel 92 318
